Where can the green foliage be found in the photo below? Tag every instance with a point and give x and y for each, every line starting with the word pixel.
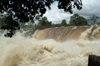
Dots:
pixel 39 27
pixel 44 22
pixel 63 23
pixel 37 17
pixel 77 20
pixel 9 24
pixel 2 20
pixel 25 10
pixel 56 24
pixel 94 18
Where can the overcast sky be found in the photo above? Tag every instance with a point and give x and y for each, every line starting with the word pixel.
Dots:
pixel 90 7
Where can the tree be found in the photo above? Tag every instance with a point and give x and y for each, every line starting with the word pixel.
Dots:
pixel 2 20
pixel 29 8
pixel 37 17
pixel 77 20
pixel 44 21
pixel 25 10
pixel 11 25
pixel 63 23
pixel 94 18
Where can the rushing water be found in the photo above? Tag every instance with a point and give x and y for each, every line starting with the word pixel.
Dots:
pixel 62 34
pixel 22 51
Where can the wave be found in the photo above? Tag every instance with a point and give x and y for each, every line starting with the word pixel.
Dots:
pixel 25 51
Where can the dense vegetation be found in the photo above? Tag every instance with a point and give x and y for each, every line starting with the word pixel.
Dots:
pixel 42 23
pixel 77 20
pixel 19 11
pixel 22 14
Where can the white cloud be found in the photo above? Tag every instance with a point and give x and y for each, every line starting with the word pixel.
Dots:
pixel 56 15
pixel 90 7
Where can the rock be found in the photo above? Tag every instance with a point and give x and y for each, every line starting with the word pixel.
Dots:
pixel 94 60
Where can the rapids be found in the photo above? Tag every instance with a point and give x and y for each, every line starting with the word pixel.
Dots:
pixel 63 34
pixel 24 51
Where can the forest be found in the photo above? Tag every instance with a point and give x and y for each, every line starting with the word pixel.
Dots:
pixel 23 14
pixel 42 23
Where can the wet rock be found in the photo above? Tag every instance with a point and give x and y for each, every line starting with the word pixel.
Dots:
pixel 94 60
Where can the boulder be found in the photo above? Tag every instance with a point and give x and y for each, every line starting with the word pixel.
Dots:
pixel 94 60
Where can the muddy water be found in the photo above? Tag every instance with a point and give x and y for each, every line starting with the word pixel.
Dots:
pixel 22 51
pixel 62 34
pixel 61 46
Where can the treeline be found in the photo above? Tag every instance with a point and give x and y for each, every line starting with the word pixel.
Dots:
pixel 43 22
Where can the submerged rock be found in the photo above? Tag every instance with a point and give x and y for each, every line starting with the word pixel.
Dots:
pixel 94 60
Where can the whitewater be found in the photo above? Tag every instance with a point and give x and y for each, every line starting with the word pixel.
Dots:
pixel 24 51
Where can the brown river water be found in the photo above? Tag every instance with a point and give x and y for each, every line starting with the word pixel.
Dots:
pixel 63 46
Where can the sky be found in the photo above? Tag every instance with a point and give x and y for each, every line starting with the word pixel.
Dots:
pixel 89 8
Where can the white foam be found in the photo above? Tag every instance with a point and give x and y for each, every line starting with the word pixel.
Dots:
pixel 22 51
